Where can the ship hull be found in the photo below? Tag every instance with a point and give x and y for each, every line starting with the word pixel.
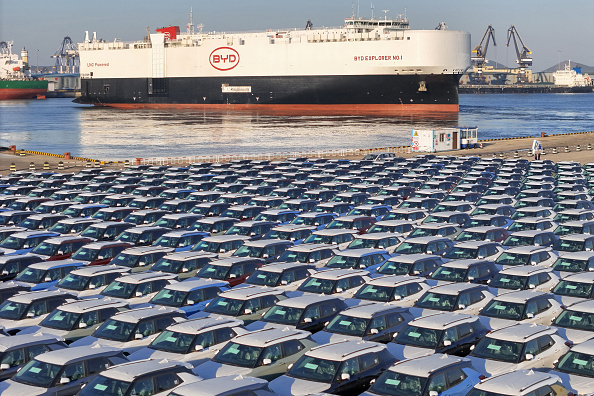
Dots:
pixel 327 94
pixel 25 89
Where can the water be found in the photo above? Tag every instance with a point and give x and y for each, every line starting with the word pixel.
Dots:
pixel 58 126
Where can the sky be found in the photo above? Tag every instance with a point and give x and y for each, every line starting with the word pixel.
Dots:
pixel 553 30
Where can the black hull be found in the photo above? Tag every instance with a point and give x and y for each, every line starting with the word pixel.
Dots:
pixel 437 91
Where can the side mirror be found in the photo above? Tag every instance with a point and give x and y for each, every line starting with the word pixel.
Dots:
pixel 339 290
pixel 481 257
pixel 92 286
pixel 395 335
pixel 447 343
pixel 433 393
pixel 30 314
pixel 138 336
pixel 289 366
pixel 284 282
pixel 529 356
pixel 266 362
pixel 82 325
pixel 47 279
pixel 222 250
pixel 380 246
pixel 530 315
pixel 416 272
pixel 190 302
pixel 397 297
pixel 307 320
pixel 345 376
pixel 373 331
pixel 64 380
pixel 531 286
pixel 248 311
pixel 198 348
pixel 138 294
pixel 461 306
pixel 141 263
pixel 533 262
pixel 313 261
pixel 4 366
pixel 4 272
pixel 185 269
pixel 429 251
pixel 362 266
pixel 232 276
pixel 470 278
pixel 265 255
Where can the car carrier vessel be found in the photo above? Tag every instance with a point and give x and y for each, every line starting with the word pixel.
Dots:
pixel 365 66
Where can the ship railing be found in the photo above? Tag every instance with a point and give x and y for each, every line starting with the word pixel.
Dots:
pixel 340 153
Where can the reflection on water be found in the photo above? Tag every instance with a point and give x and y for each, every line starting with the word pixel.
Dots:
pixel 115 133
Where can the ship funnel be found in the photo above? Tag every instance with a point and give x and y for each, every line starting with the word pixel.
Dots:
pixel 94 36
pixel 86 36
pixel 25 56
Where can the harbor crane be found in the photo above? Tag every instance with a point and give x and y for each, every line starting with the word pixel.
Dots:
pixel 67 57
pixel 523 54
pixel 479 55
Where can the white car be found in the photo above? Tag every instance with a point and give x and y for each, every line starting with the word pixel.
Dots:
pixel 575 368
pixel 576 322
pixel 527 255
pixel 516 347
pixel 523 277
pixel 401 290
pixel 575 287
pixel 468 298
pixel 520 383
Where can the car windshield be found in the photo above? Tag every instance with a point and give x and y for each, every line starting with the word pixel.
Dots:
pixel 170 341
pixel 505 281
pixel 37 373
pixel 12 310
pixel 85 254
pixel 565 245
pixel 575 320
pixel 290 256
pixel 61 320
pixel 343 262
pixel 471 236
pixel 349 325
pixel 398 384
pixel 411 248
pixel 310 221
pixel 418 336
pixel 225 306
pixel 314 369
pixel 573 289
pixel 126 260
pixel 119 289
pixel 167 241
pixel 564 229
pixel 115 330
pixel 283 315
pixel 449 274
pixel 503 310
pixel 513 259
pixel 495 349
pixel 131 237
pixel 248 251
pixel 104 386
pixel 571 265
pixel 459 253
pixel 514 240
pixel 375 293
pixel 205 246
pixel 238 355
pixel 314 238
pixel 74 282
pixel 214 271
pixel 577 363
pixel 264 278
pixel 441 302
pixel 340 224
pixel 363 243
pixel 93 232
pixel 397 268
pixel 424 232
pixel 170 298
pixel 239 230
pixel 45 248
pixel 32 275
pixel 317 285
pixel 522 226
pixel 13 243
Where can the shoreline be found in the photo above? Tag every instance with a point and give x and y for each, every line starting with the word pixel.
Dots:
pixel 503 148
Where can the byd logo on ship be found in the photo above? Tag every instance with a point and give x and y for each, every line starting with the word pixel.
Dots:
pixel 224 58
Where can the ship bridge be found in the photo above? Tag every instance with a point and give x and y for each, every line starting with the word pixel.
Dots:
pixel 361 25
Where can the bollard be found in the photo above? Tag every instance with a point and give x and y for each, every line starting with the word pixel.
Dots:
pixel 32 166
pixel 46 166
pixel 97 164
pixel 567 149
pixel 500 155
pixel 22 153
pixel 589 146
pixel 127 163
pixel 578 148
pixel 13 167
pixel 554 150
pixel 61 165
pixel 516 155
pixel 89 164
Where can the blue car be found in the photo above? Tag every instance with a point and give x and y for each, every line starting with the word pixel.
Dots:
pixel 46 274
pixel 24 242
pixel 191 295
pixel 368 259
pixel 181 241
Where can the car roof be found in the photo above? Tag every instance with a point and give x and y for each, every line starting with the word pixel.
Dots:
pixel 395 280
pixel 195 326
pixel 91 305
pixel 334 231
pixel 338 273
pixel 267 242
pixel 345 349
pixel 195 283
pixel 139 250
pixel 443 320
pixel 64 356
pixel 270 336
pixel 455 288
pixel 427 239
pixel 129 371
pixel 225 238
pixel 221 386
pixel 530 233
pixel 519 296
pixel 293 227
pixel 251 291
pixel 475 244
pixel 187 255
pixel 27 297
pixel 413 258
pixel 577 237
pixel 369 310
pixel 279 267
pixel 144 277
pixel 521 332
pixel 310 247
pixel 359 252
pixel 32 234
pixel 306 300
pixel 45 265
pixel 582 277
pixel 512 382
pixel 424 366
pixel 525 270
pixel 27 339
pixel 135 315
pixel 526 249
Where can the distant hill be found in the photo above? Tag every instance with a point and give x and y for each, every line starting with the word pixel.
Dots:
pixel 585 68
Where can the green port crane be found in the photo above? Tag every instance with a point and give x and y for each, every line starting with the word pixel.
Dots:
pixel 523 54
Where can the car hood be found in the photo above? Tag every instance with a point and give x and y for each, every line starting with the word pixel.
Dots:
pixel 212 369
pixel 285 385
pixel 491 367
pixel 576 383
pixel 13 388
pixel 402 352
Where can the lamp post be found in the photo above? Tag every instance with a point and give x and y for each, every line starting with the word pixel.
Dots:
pixel 37 61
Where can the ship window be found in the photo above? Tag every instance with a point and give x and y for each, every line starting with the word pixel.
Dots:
pixel 106 89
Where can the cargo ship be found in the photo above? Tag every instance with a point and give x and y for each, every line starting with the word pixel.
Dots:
pixel 365 66
pixel 15 77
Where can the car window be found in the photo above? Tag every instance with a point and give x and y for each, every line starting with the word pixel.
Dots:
pixel 368 361
pixel 143 387
pixel 394 319
pixel 90 318
pixel 464 330
pixel 166 381
pixel 350 366
pixel 292 347
pixel 455 376
pixel 16 357
pixel 532 347
pixel 355 281
pixel 74 371
pixel 378 323
pixel 273 352
pixel 224 334
pixel 437 383
pixel 97 365
pixel 476 296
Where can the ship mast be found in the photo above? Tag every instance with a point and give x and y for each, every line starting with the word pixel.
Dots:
pixel 191 24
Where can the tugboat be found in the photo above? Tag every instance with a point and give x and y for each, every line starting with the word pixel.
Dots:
pixel 15 76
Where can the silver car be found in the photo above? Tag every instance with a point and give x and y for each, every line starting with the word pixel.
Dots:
pixel 16 351
pixel 225 386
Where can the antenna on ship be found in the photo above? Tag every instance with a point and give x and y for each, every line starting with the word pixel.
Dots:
pixel 353 10
pixel 371 10
pixel 191 24
pixel 385 14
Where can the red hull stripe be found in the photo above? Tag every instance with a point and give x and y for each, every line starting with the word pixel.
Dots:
pixel 368 109
pixel 7 94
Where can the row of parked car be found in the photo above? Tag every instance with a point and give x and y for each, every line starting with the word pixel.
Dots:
pixel 421 276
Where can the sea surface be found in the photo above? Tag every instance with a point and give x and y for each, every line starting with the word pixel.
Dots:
pixel 58 126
